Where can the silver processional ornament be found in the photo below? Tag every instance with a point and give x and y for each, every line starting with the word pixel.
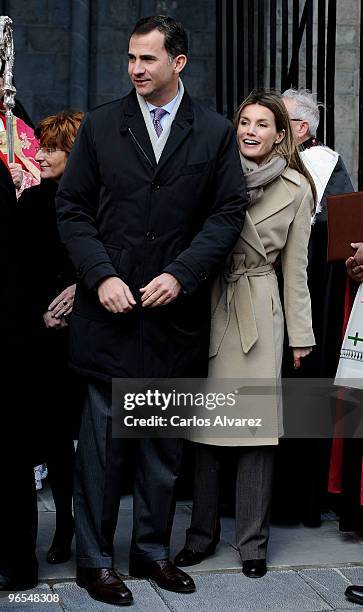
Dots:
pixel 7 60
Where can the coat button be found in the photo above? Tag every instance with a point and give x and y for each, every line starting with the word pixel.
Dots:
pixel 150 236
pixel 155 185
pixel 202 276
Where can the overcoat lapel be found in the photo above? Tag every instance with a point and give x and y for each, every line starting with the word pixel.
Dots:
pixel 180 129
pixel 135 121
pixel 250 235
pixel 282 198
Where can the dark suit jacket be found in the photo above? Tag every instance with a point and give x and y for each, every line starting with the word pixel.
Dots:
pixel 121 214
pixel 45 271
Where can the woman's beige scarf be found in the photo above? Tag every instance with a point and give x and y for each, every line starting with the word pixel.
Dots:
pixel 258 176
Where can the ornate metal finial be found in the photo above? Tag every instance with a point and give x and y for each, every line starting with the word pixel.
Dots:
pixel 7 62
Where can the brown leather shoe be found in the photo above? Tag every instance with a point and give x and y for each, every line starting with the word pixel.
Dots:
pixel 104 584
pixel 165 574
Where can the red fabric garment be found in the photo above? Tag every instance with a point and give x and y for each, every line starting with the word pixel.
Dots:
pixel 25 147
pixel 336 465
pixel 347 305
pixel 17 160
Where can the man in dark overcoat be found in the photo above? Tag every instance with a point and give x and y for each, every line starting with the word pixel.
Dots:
pixel 150 204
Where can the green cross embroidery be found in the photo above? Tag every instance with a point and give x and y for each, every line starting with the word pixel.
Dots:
pixel 355 339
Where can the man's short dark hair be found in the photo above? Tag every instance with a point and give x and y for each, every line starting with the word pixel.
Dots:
pixel 176 39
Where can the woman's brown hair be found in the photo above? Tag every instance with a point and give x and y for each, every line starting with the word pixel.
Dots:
pixel 59 131
pixel 287 148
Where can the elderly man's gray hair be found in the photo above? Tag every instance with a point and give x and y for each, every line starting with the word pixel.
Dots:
pixel 306 107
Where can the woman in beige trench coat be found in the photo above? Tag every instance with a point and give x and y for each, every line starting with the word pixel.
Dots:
pixel 248 323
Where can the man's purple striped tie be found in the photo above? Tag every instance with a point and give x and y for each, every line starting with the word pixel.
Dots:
pixel 158 115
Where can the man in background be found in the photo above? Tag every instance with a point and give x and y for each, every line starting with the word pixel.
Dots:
pixel 326 280
pixel 302 465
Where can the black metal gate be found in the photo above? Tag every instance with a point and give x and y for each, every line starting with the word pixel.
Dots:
pixel 265 43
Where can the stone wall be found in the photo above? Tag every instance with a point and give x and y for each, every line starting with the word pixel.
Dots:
pixel 347 84
pixel 73 53
pixel 59 52
pixel 42 42
pixel 346 75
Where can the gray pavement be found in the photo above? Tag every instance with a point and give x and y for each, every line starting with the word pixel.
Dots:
pixel 309 570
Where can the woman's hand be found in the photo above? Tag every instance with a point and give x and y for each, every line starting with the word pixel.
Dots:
pixel 51 322
pixel 354 264
pixel 17 175
pixel 62 304
pixel 298 353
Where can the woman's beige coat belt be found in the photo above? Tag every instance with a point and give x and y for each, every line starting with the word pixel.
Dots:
pixel 238 290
